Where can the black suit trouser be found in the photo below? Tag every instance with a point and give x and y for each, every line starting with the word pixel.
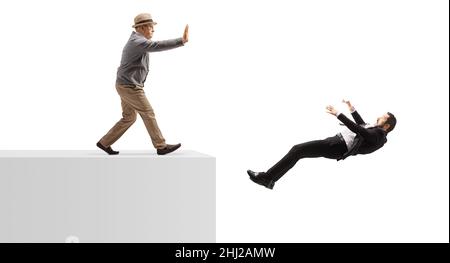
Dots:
pixel 332 148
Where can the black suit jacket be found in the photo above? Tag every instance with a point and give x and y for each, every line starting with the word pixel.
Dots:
pixel 367 140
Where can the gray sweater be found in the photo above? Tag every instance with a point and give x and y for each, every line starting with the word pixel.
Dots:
pixel 134 66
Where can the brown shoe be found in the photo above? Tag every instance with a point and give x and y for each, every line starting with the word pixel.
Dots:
pixel 168 149
pixel 108 150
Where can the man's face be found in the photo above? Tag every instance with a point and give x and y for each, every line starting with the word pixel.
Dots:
pixel 382 120
pixel 146 31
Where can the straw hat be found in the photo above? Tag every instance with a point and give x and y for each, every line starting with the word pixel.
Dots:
pixel 143 19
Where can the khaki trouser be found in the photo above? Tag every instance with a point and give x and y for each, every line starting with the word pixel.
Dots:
pixel 134 100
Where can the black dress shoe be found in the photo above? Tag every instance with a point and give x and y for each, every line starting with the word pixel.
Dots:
pixel 260 179
pixel 168 149
pixel 108 150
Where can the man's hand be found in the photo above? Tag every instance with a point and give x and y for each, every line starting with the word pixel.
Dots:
pixel 350 106
pixel 186 34
pixel 331 110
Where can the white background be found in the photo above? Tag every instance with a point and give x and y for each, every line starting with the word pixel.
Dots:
pixel 253 81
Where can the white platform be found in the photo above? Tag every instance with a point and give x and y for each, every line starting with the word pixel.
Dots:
pixel 88 196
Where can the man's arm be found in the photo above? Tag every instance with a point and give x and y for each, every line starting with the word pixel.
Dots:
pixel 349 123
pixel 156 46
pixel 358 119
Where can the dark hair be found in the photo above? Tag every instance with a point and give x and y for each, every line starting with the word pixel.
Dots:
pixel 391 121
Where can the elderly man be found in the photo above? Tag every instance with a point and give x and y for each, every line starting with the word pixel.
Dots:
pixel 359 138
pixel 131 76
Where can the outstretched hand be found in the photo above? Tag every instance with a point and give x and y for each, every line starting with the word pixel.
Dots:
pixel 186 34
pixel 350 106
pixel 331 110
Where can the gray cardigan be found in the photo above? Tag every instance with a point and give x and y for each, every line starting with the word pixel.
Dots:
pixel 134 66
